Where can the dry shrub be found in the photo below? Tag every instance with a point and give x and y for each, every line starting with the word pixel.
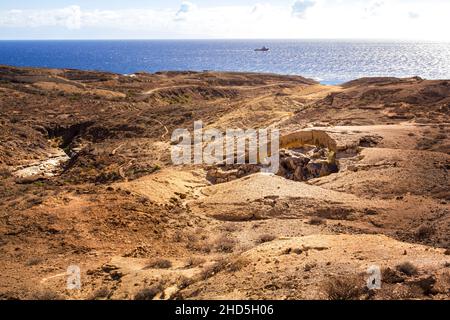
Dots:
pixel 143 200
pixel 197 234
pixel 403 292
pixel 201 246
pixel 343 288
pixel 33 201
pixel 407 268
pixel 391 276
pixel 315 221
pixel 146 293
pixel 159 264
pixel 101 293
pixel 184 282
pixel 426 285
pixel 193 262
pixel 424 232
pixel 224 244
pixel 34 261
pixel 150 292
pixel 46 294
pixel 265 238
pixel 198 242
pixel 213 269
pixel 5 172
pixel 238 264
pixel 309 266
pixel 229 227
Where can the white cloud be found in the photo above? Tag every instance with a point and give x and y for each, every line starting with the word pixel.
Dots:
pixel 72 17
pixel 300 7
pixel 318 19
pixel 69 17
pixel 413 15
pixel 261 11
pixel 374 8
pixel 185 8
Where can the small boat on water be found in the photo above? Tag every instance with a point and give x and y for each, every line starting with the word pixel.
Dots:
pixel 262 49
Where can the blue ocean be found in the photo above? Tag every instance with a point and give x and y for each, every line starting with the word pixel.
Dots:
pixel 324 60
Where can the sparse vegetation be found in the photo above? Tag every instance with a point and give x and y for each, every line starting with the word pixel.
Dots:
pixel 200 246
pixel 196 241
pixel 46 294
pixel 427 285
pixel 315 221
pixel 184 282
pixel 192 237
pixel 345 288
pixel 34 261
pixel 424 232
pixel 143 200
pixel 34 201
pixel 238 264
pixel 109 207
pixel 101 293
pixel 224 244
pixel 193 262
pixel 309 266
pixel 391 276
pixel 150 292
pixel 229 227
pixel 5 172
pixel 213 269
pixel 407 268
pixel 159 264
pixel 265 238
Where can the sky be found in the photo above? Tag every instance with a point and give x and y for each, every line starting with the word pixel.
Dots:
pixel 218 19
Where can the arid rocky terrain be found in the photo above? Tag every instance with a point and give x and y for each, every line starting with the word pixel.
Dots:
pixel 86 179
